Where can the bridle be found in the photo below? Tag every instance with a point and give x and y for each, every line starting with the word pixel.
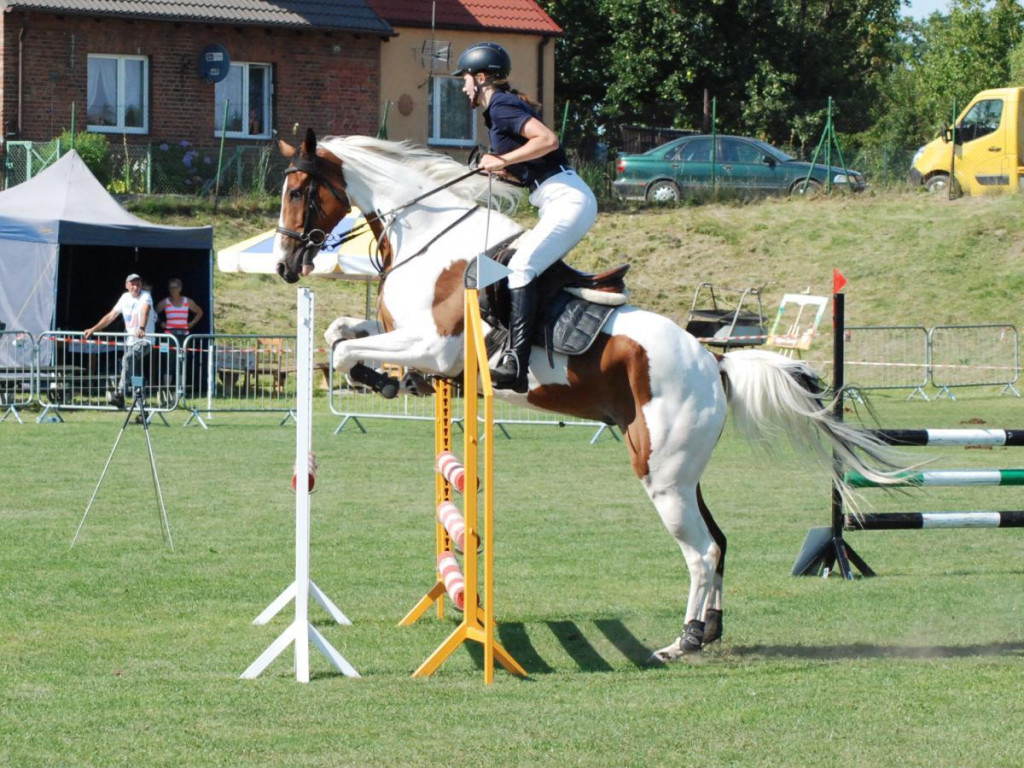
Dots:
pixel 313 239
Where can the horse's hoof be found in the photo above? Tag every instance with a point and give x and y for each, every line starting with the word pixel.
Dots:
pixel 416 385
pixel 686 644
pixel 389 389
pixel 712 625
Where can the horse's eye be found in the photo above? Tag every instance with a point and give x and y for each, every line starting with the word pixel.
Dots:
pixel 295 194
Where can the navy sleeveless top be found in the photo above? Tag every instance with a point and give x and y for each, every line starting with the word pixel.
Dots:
pixel 505 116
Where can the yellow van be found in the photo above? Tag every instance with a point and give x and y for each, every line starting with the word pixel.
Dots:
pixel 983 154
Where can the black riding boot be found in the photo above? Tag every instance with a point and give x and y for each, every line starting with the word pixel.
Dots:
pixel 511 373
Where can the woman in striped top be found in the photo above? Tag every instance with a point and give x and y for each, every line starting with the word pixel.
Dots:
pixel 180 313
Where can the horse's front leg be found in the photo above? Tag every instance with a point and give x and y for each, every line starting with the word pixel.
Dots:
pixel 429 353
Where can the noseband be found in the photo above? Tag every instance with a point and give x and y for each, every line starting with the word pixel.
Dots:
pixel 311 238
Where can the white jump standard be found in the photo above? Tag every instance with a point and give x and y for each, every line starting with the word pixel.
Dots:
pixel 301 631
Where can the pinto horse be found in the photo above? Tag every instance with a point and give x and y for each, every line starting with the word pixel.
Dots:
pixel 666 393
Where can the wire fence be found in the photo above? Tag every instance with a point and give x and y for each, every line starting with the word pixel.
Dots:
pixel 184 168
pixel 174 168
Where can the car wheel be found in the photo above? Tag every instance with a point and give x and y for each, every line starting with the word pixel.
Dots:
pixel 663 192
pixel 940 185
pixel 937 184
pixel 808 188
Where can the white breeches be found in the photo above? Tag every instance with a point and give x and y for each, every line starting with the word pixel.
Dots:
pixel 567 209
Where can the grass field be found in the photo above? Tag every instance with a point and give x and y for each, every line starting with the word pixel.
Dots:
pixel 120 652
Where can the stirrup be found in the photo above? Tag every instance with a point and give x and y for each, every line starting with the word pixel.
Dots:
pixel 502 378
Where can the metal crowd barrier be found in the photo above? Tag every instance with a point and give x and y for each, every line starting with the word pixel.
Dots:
pixel 17 372
pixel 223 373
pixel 354 404
pixel 75 373
pixel 974 356
pixel 887 357
pixel 947 356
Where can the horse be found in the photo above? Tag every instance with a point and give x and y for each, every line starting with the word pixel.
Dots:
pixel 667 394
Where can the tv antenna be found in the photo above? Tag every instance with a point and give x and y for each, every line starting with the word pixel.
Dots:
pixel 434 53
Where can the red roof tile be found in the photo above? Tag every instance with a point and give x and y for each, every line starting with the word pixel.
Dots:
pixel 490 15
pixel 348 15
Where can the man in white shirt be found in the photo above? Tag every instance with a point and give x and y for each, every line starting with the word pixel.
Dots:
pixel 136 308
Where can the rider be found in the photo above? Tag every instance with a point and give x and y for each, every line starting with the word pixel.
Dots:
pixel 523 147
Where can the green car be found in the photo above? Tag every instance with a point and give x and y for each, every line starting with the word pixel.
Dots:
pixel 745 167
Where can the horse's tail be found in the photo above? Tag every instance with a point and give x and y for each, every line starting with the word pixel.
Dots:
pixel 771 395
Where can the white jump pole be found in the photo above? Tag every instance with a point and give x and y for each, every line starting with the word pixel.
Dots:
pixel 301 631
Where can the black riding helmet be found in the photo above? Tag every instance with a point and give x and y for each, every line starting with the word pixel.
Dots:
pixel 489 58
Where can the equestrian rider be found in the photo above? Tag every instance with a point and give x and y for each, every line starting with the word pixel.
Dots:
pixel 523 147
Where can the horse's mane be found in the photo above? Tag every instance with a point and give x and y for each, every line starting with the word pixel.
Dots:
pixel 435 167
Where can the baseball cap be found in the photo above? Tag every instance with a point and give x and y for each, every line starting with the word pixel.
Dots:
pixel 133 276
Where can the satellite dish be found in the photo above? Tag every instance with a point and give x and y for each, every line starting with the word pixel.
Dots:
pixel 214 63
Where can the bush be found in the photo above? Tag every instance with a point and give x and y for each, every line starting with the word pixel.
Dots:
pixel 181 168
pixel 94 150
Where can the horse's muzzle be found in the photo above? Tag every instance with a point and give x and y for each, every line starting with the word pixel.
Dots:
pixel 286 274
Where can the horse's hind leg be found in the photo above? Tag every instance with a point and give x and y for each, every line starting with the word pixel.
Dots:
pixel 713 607
pixel 683 516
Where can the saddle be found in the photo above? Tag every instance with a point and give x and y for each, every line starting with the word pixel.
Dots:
pixel 572 306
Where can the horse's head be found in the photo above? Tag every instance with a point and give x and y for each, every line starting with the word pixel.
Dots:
pixel 312 203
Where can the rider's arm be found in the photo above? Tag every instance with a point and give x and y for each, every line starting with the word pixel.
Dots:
pixel 540 140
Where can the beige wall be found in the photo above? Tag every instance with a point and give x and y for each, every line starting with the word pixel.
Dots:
pixel 404 79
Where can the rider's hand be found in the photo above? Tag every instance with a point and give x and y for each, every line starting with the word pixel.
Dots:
pixel 492 163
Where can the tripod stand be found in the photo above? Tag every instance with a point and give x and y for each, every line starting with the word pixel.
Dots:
pixel 138 401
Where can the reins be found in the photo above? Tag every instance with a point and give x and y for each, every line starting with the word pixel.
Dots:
pixel 313 239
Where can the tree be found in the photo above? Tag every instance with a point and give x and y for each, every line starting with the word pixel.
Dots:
pixel 765 61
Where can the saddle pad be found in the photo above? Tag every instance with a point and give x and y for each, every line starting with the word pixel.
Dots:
pixel 576 323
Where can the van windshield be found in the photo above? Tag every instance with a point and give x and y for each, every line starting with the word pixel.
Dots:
pixel 982 119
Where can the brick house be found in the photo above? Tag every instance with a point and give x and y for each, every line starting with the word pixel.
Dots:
pixel 140 71
pixel 132 69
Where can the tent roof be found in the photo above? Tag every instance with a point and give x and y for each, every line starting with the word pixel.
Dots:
pixel 66 204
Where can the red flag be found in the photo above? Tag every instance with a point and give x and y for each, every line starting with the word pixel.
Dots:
pixel 838 281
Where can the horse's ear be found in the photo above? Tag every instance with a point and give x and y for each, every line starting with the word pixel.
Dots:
pixel 286 149
pixel 309 143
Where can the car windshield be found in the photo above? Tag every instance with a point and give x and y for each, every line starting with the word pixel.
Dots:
pixel 778 154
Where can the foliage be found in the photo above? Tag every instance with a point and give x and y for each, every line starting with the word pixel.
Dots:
pixel 94 149
pixel 181 167
pixel 766 63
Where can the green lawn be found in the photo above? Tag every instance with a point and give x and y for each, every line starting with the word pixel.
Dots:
pixel 120 652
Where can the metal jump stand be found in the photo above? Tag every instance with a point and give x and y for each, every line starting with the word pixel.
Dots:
pixel 138 402
pixel 824 548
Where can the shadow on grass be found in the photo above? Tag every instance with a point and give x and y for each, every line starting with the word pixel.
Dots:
pixel 516 640
pixel 871 651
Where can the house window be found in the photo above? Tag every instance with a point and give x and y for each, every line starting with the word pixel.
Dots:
pixel 452 120
pixel 246 90
pixel 117 98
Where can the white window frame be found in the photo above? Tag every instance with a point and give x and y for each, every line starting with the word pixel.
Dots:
pixel 120 102
pixel 268 91
pixel 437 107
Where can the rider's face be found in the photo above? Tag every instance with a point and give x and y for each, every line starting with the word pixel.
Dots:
pixel 471 87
